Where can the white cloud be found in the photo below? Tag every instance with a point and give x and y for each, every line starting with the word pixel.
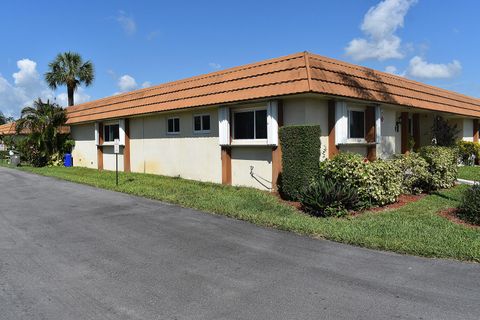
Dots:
pixel 420 68
pixel 152 35
pixel 126 83
pixel 27 86
pixel 79 97
pixel 146 84
pixel 128 23
pixel 391 69
pixel 214 65
pixel 379 26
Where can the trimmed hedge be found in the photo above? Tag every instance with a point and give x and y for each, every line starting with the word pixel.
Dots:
pixel 300 158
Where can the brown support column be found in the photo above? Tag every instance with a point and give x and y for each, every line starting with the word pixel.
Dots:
pixel 370 133
pixel 404 133
pixel 332 147
pixel 126 148
pixel 416 130
pixel 476 132
pixel 277 153
pixel 226 165
pixel 99 147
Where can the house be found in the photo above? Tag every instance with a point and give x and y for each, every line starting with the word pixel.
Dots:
pixel 222 127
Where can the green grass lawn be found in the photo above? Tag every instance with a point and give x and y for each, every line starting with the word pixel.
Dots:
pixel 414 229
pixel 469 173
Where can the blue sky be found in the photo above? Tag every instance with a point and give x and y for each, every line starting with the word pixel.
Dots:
pixel 140 43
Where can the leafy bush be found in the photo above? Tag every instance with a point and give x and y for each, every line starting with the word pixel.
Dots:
pixel 469 209
pixel 300 158
pixel 377 183
pixel 414 171
pixel 329 198
pixel 442 165
pixel 466 149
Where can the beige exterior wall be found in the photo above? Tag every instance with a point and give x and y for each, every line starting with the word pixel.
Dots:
pixel 467 130
pixel 252 167
pixel 109 158
pixel 85 151
pixel 388 144
pixel 298 111
pixel 187 154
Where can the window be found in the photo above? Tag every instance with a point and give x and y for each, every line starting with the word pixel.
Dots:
pixel 250 124
pixel 201 123
pixel 356 124
pixel 111 132
pixel 173 126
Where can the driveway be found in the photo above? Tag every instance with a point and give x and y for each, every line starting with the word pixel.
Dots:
pixel 69 251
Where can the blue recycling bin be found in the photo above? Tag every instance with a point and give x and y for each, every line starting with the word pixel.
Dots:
pixel 68 160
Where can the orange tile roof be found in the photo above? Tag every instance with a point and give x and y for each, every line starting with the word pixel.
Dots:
pixel 9 129
pixel 298 73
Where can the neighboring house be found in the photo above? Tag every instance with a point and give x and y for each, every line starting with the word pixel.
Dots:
pixel 222 127
pixel 7 129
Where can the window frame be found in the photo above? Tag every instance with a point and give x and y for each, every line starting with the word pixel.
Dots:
pixel 108 124
pixel 201 115
pixel 349 138
pixel 254 141
pixel 173 132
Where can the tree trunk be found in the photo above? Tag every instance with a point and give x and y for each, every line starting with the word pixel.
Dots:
pixel 70 91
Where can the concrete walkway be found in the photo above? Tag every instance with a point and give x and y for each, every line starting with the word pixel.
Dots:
pixel 69 251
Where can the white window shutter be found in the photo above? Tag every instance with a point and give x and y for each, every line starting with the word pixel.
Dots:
pixel 224 126
pixel 378 124
pixel 97 133
pixel 121 124
pixel 341 122
pixel 272 123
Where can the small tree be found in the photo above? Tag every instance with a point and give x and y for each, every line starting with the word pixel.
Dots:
pixel 44 141
pixel 443 133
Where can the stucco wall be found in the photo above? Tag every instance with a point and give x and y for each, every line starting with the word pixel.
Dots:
pixel 85 151
pixel 388 144
pixel 252 167
pixel 109 159
pixel 467 130
pixel 298 111
pixel 188 155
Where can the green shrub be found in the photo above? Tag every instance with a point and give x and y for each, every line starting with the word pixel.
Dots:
pixel 414 171
pixel 442 165
pixel 466 149
pixel 377 183
pixel 329 198
pixel 469 209
pixel 300 158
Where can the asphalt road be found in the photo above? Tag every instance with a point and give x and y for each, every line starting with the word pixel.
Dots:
pixel 69 251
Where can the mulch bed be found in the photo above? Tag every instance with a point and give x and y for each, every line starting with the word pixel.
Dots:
pixel 404 199
pixel 451 214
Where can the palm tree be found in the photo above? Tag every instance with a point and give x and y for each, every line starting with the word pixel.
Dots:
pixel 42 123
pixel 4 119
pixel 69 69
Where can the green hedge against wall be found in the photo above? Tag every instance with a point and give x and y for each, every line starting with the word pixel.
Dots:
pixel 300 158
